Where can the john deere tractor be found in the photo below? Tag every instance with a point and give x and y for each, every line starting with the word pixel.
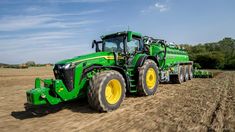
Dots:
pixel 123 62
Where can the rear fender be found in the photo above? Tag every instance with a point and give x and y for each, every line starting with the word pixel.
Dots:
pixel 142 59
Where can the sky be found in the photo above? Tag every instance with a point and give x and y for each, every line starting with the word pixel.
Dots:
pixel 47 31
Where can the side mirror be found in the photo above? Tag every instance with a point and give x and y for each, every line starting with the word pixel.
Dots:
pixel 93 44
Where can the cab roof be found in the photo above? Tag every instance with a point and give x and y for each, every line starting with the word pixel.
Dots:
pixel 122 33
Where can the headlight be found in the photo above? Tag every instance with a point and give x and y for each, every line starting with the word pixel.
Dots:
pixel 66 66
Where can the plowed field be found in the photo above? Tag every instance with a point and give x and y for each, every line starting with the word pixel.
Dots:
pixel 196 105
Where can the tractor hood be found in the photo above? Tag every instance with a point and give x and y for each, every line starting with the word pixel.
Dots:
pixel 88 57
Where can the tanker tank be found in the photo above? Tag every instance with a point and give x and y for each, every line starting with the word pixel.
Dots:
pixel 168 55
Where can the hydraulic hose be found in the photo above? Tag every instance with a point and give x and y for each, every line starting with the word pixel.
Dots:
pixel 164 57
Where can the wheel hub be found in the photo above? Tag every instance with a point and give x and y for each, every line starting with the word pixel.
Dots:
pixel 151 78
pixel 113 91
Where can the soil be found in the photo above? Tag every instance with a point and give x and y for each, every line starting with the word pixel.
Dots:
pixel 206 104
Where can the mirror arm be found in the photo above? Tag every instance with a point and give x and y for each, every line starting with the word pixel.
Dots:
pixel 95 44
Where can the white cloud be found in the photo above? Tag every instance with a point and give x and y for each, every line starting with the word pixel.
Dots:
pixel 42 46
pixel 56 1
pixel 81 1
pixel 37 32
pixel 156 7
pixel 14 23
pixel 33 9
pixel 71 14
pixel 161 7
pixel 43 54
pixel 19 41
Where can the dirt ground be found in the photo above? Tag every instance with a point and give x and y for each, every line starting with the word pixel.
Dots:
pixel 196 105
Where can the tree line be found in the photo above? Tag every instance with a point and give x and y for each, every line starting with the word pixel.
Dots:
pixel 216 55
pixel 24 65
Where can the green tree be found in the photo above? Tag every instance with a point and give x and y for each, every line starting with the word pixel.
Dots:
pixel 210 60
pixel 213 55
pixel 30 63
pixel 227 46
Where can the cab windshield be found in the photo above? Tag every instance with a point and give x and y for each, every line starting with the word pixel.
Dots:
pixel 113 44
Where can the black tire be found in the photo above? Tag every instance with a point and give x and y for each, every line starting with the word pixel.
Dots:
pixel 190 70
pixel 142 87
pixel 97 91
pixel 186 73
pixel 179 78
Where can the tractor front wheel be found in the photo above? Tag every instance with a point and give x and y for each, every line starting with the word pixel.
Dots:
pixel 107 91
pixel 148 78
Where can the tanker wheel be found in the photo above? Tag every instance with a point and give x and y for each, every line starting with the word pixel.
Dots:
pixel 186 73
pixel 148 78
pixel 179 78
pixel 107 91
pixel 190 71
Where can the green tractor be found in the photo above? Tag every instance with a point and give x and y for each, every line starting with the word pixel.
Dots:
pixel 124 62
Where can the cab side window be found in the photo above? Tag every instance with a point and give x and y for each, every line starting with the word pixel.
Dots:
pixel 133 45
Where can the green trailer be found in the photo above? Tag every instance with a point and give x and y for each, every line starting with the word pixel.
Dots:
pixel 123 62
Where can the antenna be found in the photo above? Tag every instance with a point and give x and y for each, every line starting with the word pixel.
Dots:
pixel 128 28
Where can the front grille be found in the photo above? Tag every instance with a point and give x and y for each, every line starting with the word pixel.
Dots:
pixel 66 75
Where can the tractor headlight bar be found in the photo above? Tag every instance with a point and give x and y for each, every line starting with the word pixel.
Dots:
pixel 68 66
pixel 64 66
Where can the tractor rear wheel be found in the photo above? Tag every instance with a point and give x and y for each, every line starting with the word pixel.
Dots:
pixel 190 71
pixel 107 91
pixel 148 78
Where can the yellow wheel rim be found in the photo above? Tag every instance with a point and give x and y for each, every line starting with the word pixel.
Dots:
pixel 151 78
pixel 113 91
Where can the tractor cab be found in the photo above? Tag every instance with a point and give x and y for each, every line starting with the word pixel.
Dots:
pixel 123 44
